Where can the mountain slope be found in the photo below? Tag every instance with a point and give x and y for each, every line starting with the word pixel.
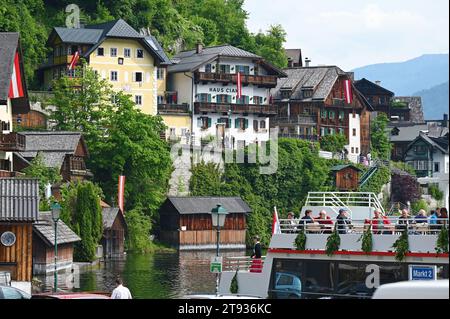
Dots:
pixel 406 78
pixel 434 101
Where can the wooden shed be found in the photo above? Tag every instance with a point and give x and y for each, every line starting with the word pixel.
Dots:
pixel 44 245
pixel 346 177
pixel 19 207
pixel 186 222
pixel 114 230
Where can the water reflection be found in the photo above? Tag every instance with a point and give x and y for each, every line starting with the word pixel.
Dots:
pixel 158 275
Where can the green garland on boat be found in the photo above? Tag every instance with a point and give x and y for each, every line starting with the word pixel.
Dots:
pixel 300 240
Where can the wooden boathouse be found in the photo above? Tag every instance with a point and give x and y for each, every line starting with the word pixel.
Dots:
pixel 19 207
pixel 114 230
pixel 44 245
pixel 186 222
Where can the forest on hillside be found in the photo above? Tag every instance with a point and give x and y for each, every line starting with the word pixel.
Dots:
pixel 177 24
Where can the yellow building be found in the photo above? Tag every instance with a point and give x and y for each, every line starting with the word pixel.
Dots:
pixel 131 62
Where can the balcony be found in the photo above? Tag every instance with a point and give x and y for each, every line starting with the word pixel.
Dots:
pixel 12 142
pixel 295 120
pixel 260 80
pixel 173 108
pixel 313 138
pixel 4 173
pixel 267 110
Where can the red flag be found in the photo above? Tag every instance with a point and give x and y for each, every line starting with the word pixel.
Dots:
pixel 74 61
pixel 239 85
pixel 276 229
pixel 120 192
pixel 348 91
pixel 15 84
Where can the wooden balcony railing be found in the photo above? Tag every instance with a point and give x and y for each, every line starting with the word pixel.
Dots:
pixel 12 142
pixel 10 174
pixel 261 80
pixel 173 108
pixel 235 108
pixel 299 119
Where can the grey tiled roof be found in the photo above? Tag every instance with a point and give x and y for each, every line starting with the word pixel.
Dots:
pixel 53 146
pixel 153 42
pixel 45 229
pixel 407 133
pixel 95 34
pixel 19 199
pixel 188 61
pixel 8 47
pixel 320 79
pixel 116 28
pixel 109 215
pixel 72 35
pixel 204 205
pixel 367 87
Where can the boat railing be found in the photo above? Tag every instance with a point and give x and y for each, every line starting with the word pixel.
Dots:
pixel 393 225
pixel 243 263
pixel 338 200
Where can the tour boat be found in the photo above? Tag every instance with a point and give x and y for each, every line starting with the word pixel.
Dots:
pixel 348 272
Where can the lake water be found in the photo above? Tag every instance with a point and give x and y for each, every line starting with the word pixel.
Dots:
pixel 159 275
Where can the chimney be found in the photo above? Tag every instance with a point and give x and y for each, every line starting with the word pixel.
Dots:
pixel 378 82
pixel 444 123
pixel 199 47
pixel 290 62
pixel 307 61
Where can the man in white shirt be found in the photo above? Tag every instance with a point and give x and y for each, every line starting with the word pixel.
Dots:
pixel 121 292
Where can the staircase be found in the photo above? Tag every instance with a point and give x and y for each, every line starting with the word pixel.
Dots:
pixel 377 163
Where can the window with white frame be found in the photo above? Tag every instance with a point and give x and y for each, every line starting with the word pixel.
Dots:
pixel 113 52
pixel 100 51
pixel 138 99
pixel 139 53
pixel 160 99
pixel 127 52
pixel 137 77
pixel 113 76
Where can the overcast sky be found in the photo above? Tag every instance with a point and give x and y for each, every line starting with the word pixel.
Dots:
pixel 353 33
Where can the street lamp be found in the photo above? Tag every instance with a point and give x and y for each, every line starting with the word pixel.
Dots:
pixel 218 215
pixel 56 211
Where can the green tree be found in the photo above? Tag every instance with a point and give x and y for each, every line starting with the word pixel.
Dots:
pixel 25 17
pixel 121 139
pixel 381 147
pixel 45 175
pixel 270 45
pixel 83 213
pixel 333 143
pixel 139 226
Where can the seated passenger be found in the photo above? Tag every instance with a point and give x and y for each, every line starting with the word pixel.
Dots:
pixel 343 222
pixel 378 223
pixel 325 222
pixel 291 223
pixel 421 217
pixel 307 219
pixel 403 221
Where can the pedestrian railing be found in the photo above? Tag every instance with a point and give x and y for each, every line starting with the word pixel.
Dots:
pixel 243 263
pixel 394 225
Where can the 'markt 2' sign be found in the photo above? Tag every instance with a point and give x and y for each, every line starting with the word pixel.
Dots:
pixel 422 272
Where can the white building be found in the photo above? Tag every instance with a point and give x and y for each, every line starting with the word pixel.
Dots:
pixel 429 157
pixel 206 80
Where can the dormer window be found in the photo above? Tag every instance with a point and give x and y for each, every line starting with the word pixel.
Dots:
pixel 286 93
pixel 208 68
pixel 307 93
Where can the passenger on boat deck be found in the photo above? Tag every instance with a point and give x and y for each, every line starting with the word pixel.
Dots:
pixel 403 221
pixel 378 222
pixel 421 216
pixel 325 222
pixel 307 219
pixel 443 216
pixel 291 222
pixel 343 222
